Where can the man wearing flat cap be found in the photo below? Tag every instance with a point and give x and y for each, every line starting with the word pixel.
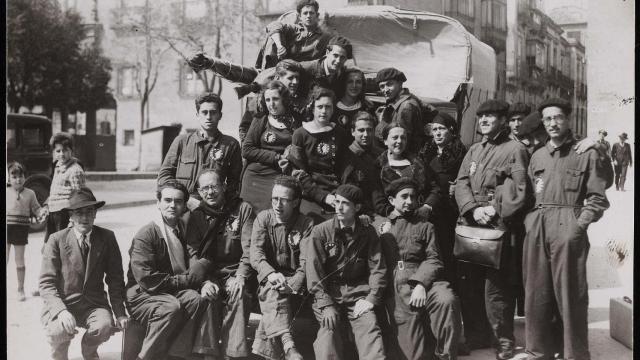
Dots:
pixel 602 141
pixel 402 109
pixel 414 262
pixel 346 273
pixel 621 154
pixel 569 190
pixel 74 263
pixel 517 113
pixel 490 192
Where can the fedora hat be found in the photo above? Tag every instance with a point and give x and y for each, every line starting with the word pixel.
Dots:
pixel 624 136
pixel 83 198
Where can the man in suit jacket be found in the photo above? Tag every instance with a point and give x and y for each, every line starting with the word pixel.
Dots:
pixel 74 263
pixel 166 287
pixel 621 154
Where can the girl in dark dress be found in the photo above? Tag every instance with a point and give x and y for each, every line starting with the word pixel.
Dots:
pixel 351 99
pixel 265 147
pixel 314 150
pixel 396 163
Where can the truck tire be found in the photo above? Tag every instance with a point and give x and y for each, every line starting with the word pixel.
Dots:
pixel 41 188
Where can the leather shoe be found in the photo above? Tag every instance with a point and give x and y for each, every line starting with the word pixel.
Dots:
pixel 293 354
pixel 504 352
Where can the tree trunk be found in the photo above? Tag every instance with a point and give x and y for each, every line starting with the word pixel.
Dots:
pixel 143 104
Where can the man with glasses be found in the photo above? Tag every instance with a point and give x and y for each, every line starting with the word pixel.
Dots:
pixel 74 263
pixel 569 190
pixel 278 244
pixel 219 230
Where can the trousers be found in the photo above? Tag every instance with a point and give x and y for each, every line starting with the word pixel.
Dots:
pixel 556 291
pixel 170 321
pixel 620 175
pixel 98 322
pixel 56 221
pixel 330 344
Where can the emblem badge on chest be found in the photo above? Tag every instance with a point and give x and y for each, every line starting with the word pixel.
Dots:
pixel 294 238
pixel 323 149
pixel 233 224
pixel 539 185
pixel 269 137
pixel 384 227
pixel 472 168
pixel 216 154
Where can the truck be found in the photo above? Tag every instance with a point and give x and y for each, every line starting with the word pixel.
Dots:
pixel 446 66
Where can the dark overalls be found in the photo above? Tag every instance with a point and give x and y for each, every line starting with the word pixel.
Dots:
pixel 411 251
pixel 570 194
pixel 342 268
pixel 492 173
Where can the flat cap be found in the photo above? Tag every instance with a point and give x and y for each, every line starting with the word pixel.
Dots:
pixel 344 43
pixel 493 106
pixel 390 74
pixel 558 102
pixel 351 193
pixel 603 132
pixel 444 119
pixel 519 109
pixel 400 184
pixel 531 123
pixel 623 136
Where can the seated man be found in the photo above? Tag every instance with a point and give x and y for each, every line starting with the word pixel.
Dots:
pixel 422 303
pixel 166 287
pixel 220 231
pixel 346 273
pixel 74 263
pixel 278 242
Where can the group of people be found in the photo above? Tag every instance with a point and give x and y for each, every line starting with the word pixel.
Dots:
pixel 347 210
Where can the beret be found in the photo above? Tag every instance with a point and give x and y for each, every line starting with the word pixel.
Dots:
pixel 558 102
pixel 530 123
pixel 493 106
pixel 444 119
pixel 343 43
pixel 519 109
pixel 351 193
pixel 400 184
pixel 390 74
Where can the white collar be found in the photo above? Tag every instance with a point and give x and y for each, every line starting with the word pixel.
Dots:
pixel 344 107
pixel 79 236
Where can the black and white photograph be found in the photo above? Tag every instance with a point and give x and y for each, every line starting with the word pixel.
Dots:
pixel 320 179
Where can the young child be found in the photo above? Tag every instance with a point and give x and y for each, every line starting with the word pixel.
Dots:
pixel 22 204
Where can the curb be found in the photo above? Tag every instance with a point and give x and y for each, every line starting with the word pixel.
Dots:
pixel 128 204
pixel 105 176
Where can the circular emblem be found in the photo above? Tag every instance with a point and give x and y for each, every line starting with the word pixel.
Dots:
pixel 539 185
pixel 294 238
pixel 269 137
pixel 384 227
pixel 216 154
pixel 233 224
pixel 323 148
pixel 472 168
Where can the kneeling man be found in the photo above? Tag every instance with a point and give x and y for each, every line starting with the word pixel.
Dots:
pixel 166 287
pixel 346 273
pixel 74 263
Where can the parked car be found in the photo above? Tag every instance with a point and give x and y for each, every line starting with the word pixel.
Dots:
pixel 28 143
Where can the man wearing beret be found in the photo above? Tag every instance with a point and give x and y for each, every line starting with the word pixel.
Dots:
pixel 569 190
pixel 517 113
pixel 358 167
pixel 346 273
pixel 491 191
pixel 621 154
pixel 74 263
pixel 401 109
pixel 420 302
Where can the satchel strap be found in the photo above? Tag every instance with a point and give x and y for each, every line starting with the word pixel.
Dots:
pixel 553 205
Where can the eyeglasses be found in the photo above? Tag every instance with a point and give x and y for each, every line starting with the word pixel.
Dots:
pixel 558 117
pixel 212 188
pixel 280 200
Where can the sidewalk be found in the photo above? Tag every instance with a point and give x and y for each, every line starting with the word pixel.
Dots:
pixel 124 193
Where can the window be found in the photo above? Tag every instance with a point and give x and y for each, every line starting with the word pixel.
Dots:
pixel 190 84
pixel 129 138
pixel 462 7
pixel 105 128
pixel 498 16
pixel 32 137
pixel 127 79
pixel 575 35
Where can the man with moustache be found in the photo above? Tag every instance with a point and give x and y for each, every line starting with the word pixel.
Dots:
pixel 206 148
pixel 569 190
pixel 219 230
pixel 357 166
pixel 167 289
pixel 491 190
pixel 401 109
pixel 76 263
pixel 346 272
pixel 278 242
